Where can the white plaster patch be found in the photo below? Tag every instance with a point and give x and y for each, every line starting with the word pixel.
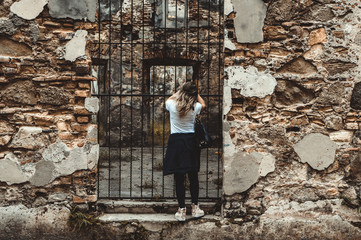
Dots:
pixel 227 102
pixel 92 104
pixel 242 170
pixel 10 171
pixel 317 150
pixel 267 162
pixel 28 9
pixel 249 20
pixel 227 42
pixel 228 7
pixel 76 46
pixel 314 53
pixel 251 82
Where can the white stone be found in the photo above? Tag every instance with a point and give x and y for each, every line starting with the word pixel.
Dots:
pixel 49 218
pixel 27 137
pixel 76 46
pixel 314 53
pixel 93 156
pixel 4 140
pixel 10 171
pixel 92 133
pixel 227 99
pixel 241 171
pixel 267 162
pixel 92 104
pixel 249 20
pixel 228 7
pixel 317 150
pixel 341 136
pixel 251 82
pixel 56 152
pixel 228 44
pixel 28 9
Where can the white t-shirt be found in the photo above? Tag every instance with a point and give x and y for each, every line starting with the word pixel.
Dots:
pixel 182 124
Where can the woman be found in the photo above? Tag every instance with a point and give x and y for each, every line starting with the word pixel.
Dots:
pixel 183 156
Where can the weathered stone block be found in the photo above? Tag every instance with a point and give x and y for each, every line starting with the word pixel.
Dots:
pixel 9 47
pixel 7 26
pixel 4 140
pixel 317 150
pixel 298 66
pixel 83 9
pixel 29 138
pixel 317 36
pixel 341 136
pixel 275 33
pixel 290 93
pixel 336 66
pixel 315 52
pixel 19 93
pixel 53 96
pixel 355 102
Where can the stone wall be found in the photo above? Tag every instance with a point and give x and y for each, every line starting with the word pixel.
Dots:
pixel 291 111
pixel 291 101
pixel 48 140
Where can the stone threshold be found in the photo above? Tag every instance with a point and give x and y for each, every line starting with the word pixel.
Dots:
pixel 152 218
pixel 149 207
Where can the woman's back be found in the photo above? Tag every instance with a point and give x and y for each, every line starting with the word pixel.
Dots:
pixel 184 124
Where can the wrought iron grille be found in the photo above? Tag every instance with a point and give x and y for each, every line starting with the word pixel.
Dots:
pixel 145 50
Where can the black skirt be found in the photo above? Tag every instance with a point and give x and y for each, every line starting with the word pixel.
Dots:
pixel 182 154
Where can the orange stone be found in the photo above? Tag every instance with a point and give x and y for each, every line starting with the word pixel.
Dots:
pixel 82 119
pixel 317 36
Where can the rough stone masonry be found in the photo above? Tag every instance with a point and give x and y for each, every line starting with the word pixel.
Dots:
pixel 292 100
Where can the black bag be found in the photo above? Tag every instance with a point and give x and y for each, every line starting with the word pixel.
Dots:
pixel 203 139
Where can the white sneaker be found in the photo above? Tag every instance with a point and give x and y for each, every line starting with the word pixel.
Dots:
pixel 180 215
pixel 196 211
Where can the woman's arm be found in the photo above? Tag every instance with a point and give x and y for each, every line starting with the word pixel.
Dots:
pixel 201 101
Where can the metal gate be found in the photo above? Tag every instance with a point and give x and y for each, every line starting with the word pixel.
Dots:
pixel 145 50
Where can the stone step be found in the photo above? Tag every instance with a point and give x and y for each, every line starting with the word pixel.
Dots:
pixel 154 218
pixel 148 207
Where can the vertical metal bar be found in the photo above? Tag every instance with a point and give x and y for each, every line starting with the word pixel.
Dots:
pixel 186 25
pixel 164 87
pixel 120 101
pixel 220 142
pixel 99 28
pixel 109 86
pixel 208 68
pixel 131 100
pixel 142 112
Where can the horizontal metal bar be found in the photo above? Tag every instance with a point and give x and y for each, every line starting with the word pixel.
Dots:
pixel 146 95
pixel 157 43
pixel 159 199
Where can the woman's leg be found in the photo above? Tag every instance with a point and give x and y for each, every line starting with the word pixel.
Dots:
pixel 194 186
pixel 180 189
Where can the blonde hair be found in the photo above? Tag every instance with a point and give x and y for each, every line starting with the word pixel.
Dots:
pixel 185 98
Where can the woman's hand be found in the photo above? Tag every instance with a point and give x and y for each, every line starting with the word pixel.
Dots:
pixel 201 101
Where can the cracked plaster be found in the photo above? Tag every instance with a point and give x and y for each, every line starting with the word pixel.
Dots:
pixel 76 46
pixel 250 82
pixel 28 9
pixel 242 170
pixel 317 150
pixel 81 9
pixel 249 20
